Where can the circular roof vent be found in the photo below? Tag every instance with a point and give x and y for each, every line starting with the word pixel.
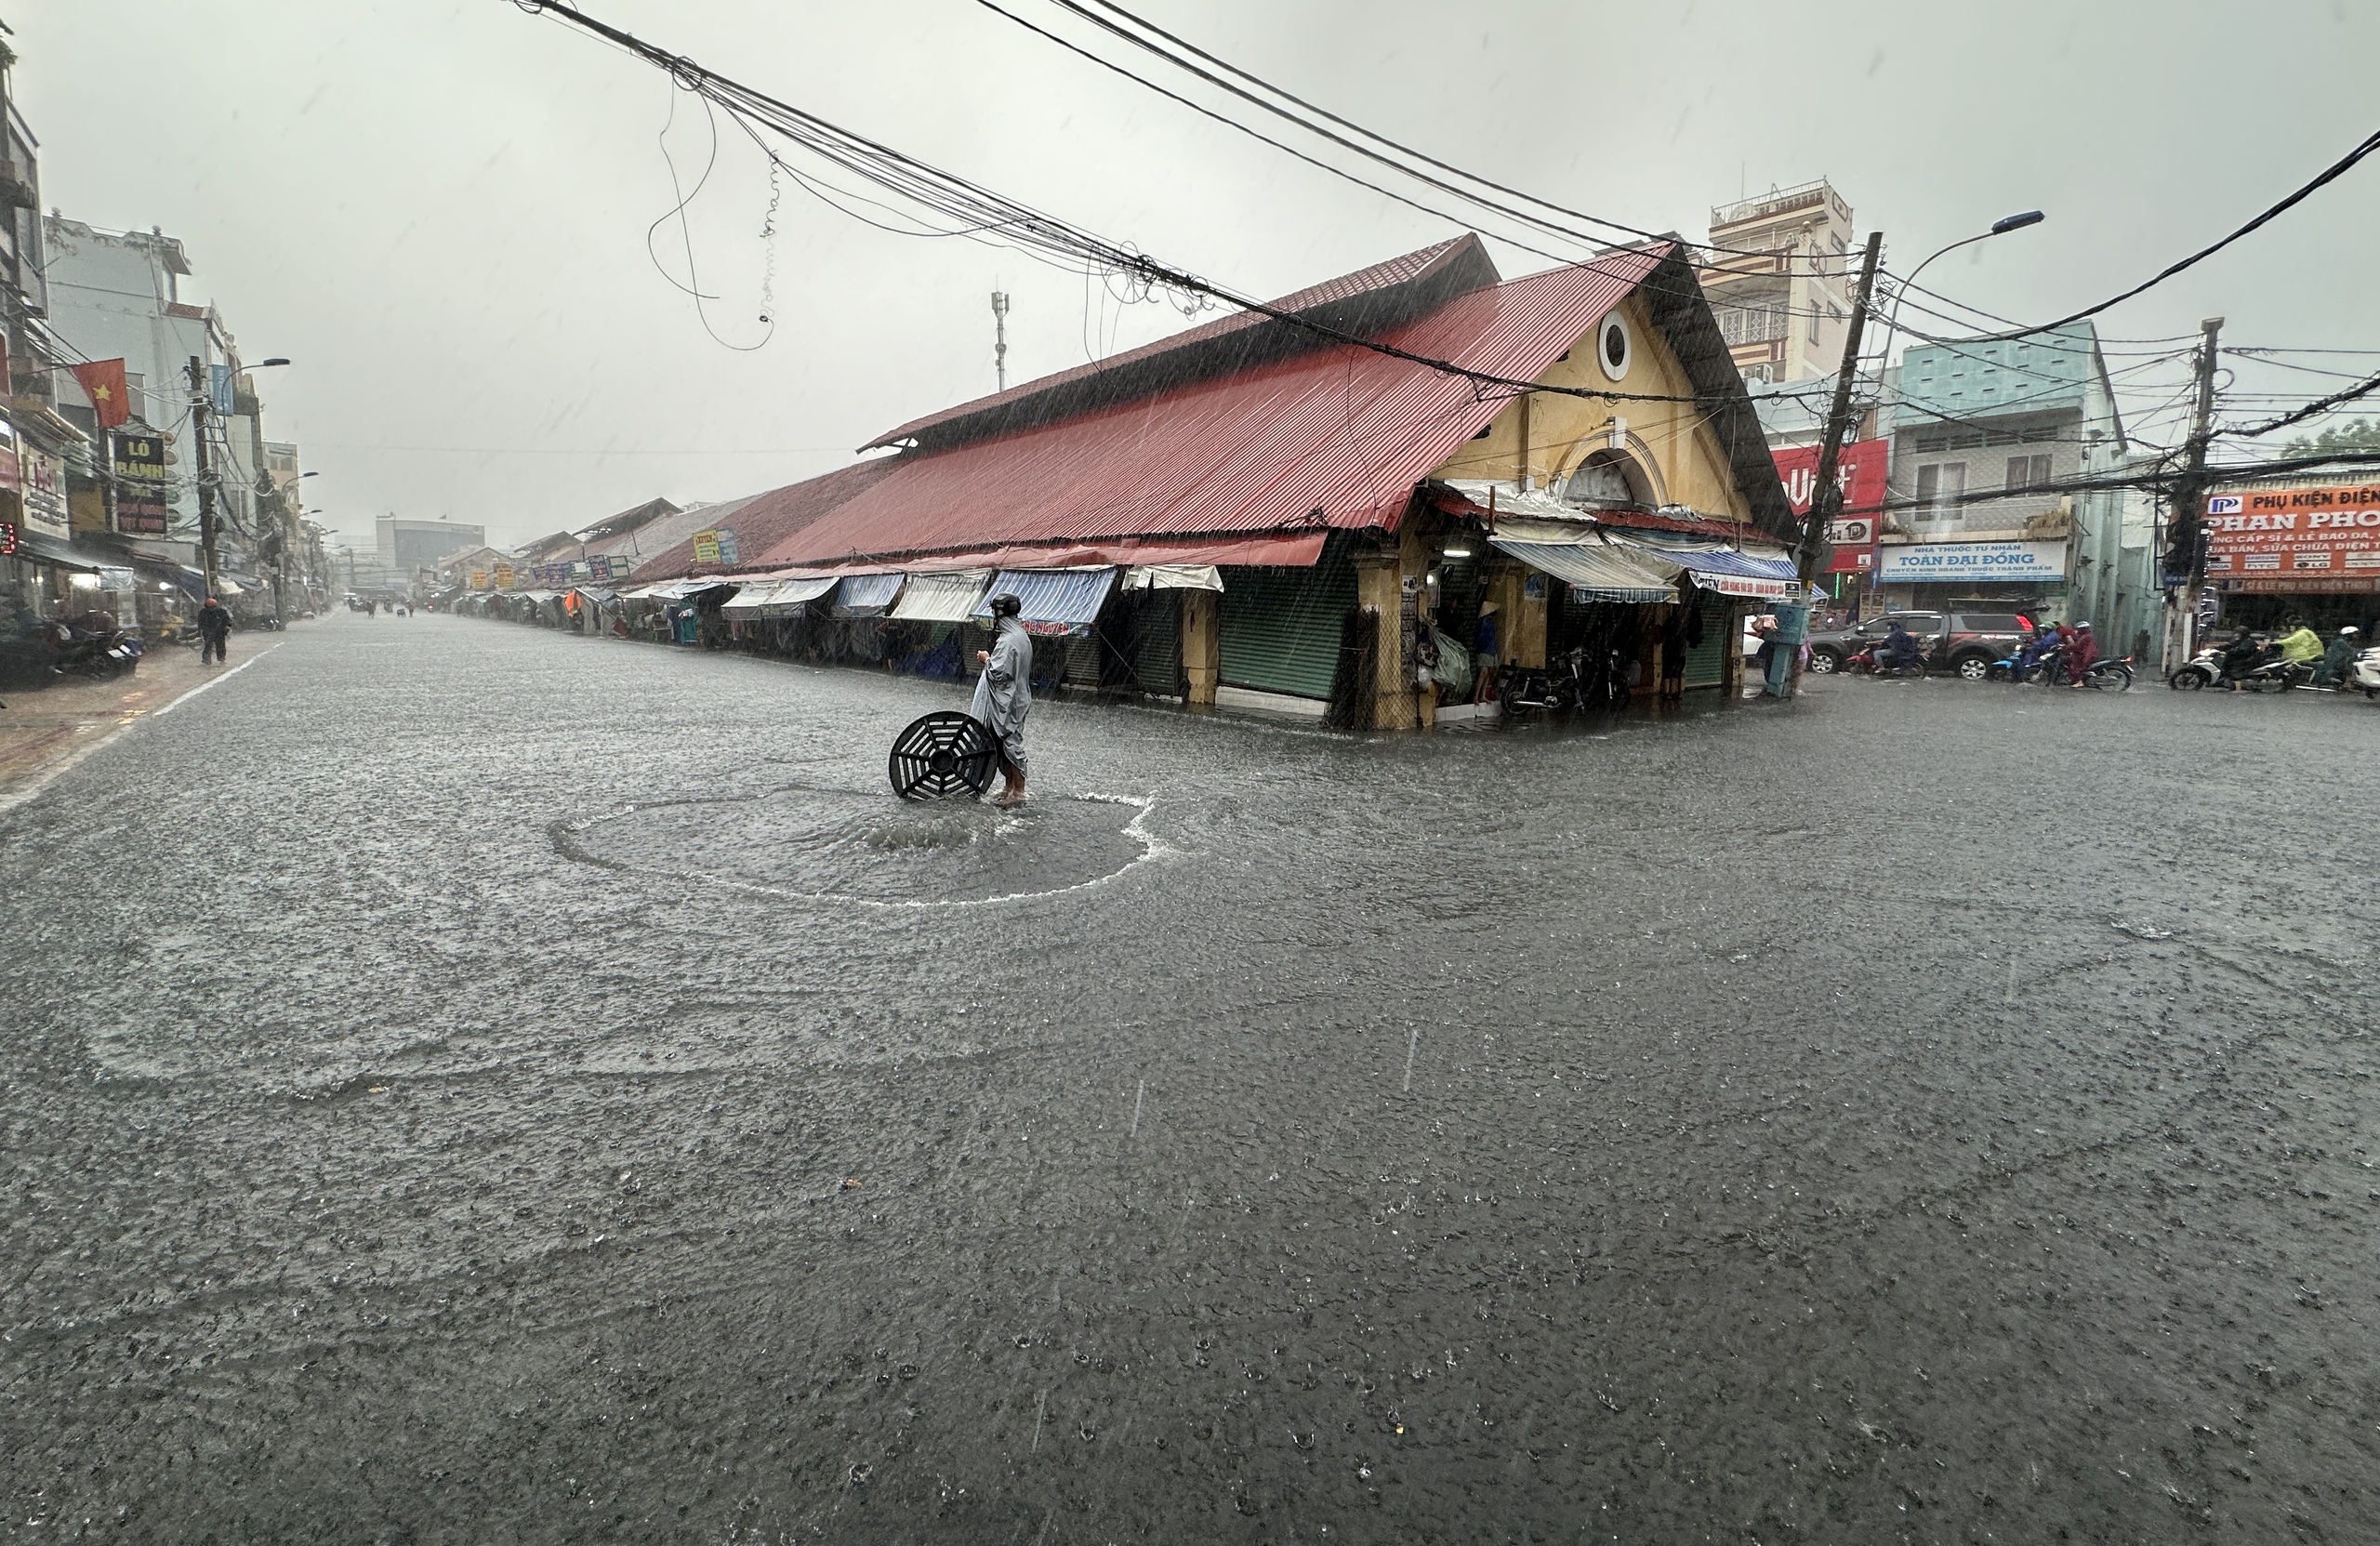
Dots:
pixel 1614 348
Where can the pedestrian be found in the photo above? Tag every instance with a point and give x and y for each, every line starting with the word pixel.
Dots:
pixel 2333 669
pixel 1673 648
pixel 1483 641
pixel 2080 655
pixel 214 630
pixel 1004 694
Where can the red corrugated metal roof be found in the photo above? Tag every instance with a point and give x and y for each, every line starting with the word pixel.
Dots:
pixel 767 521
pixel 1721 528
pixel 1396 270
pixel 1336 438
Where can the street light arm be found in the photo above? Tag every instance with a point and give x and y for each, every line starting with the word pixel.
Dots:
pixel 2000 227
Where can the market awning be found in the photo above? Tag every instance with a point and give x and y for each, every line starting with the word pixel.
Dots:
pixel 596 594
pixel 777 598
pixel 941 598
pixel 1593 571
pixel 1066 601
pixel 1725 570
pixel 1173 576
pixel 48 550
pixel 866 595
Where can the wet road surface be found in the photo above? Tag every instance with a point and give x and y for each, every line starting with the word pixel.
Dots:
pixel 463 1083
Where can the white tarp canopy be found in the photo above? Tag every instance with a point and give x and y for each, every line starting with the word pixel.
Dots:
pixel 942 598
pixel 1173 576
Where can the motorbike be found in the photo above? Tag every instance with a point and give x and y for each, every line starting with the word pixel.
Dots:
pixel 2203 670
pixel 101 655
pixel 2009 667
pixel 1568 681
pixel 1867 662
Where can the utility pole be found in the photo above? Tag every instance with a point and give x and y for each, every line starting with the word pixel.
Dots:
pixel 999 339
pixel 200 402
pixel 2188 512
pixel 1826 498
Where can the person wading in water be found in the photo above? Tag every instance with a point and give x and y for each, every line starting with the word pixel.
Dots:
pixel 1004 694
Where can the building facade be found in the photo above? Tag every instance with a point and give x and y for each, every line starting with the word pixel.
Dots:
pixel 1777 279
pixel 1995 446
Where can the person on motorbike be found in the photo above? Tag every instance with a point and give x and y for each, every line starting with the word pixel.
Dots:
pixel 2333 669
pixel 1899 652
pixel 2242 655
pixel 2301 646
pixel 2080 655
pixel 2037 651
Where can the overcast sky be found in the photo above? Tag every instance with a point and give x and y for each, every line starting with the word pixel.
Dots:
pixel 440 209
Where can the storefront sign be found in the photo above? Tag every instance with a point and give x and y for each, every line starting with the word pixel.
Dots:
pixel 1925 562
pixel 478 579
pixel 706 547
pixel 44 493
pixel 504 577
pixel 140 514
pixel 141 456
pixel 2295 541
pixel 1861 471
pixel 8 539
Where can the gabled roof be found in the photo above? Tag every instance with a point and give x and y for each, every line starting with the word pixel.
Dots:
pixel 765 520
pixel 1329 437
pixel 627 520
pixel 1366 303
pixel 545 548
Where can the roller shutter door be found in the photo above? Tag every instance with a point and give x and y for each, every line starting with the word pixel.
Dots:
pixel 1706 663
pixel 1280 627
pixel 1159 666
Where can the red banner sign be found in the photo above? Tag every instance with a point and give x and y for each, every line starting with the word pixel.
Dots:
pixel 1861 470
pixel 2295 541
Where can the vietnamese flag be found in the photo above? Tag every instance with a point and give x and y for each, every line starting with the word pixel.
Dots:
pixel 103 384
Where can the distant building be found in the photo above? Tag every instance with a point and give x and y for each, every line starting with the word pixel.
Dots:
pixel 1990 440
pixel 406 548
pixel 1776 281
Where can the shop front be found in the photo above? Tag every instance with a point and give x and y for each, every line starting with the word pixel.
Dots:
pixel 2027 577
pixel 2307 554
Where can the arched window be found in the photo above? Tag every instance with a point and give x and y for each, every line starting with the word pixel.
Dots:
pixel 1609 480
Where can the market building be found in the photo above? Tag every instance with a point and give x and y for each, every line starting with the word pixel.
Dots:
pixel 1256 511
pixel 1991 445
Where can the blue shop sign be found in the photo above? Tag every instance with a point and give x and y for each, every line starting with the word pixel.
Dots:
pixel 1925 561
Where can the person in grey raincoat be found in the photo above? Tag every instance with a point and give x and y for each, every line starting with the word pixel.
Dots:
pixel 1004 694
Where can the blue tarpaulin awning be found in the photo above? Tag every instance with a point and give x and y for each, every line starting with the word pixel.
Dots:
pixel 1725 570
pixel 1061 601
pixel 866 595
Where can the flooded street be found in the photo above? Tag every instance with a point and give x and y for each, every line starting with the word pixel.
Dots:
pixel 467 1083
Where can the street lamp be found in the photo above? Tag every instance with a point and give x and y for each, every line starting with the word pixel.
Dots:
pixel 2000 227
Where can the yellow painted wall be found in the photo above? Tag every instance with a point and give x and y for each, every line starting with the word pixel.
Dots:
pixel 1671 438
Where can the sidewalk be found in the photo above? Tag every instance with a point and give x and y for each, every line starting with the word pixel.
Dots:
pixel 41 725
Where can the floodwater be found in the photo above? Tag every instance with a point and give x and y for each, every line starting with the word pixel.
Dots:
pixel 463 1083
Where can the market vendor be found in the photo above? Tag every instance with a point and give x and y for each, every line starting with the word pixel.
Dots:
pixel 1004 692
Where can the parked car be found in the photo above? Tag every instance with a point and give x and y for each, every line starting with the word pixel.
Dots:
pixel 1964 644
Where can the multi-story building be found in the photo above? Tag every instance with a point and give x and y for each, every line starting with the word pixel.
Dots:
pixel 1994 445
pixel 1776 278
pixel 413 549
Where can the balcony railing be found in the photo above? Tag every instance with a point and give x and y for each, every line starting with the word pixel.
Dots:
pixel 1754 326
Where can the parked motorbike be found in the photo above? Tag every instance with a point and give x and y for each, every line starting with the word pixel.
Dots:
pixel 101 655
pixel 1573 680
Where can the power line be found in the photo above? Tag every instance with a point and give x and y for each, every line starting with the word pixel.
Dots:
pixel 979 211
pixel 2319 406
pixel 2330 174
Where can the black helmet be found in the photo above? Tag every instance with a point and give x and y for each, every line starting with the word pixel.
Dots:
pixel 1006 604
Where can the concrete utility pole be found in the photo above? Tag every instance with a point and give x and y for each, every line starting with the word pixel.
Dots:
pixel 2189 505
pixel 999 339
pixel 200 402
pixel 1826 497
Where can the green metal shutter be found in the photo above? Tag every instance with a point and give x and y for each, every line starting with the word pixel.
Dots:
pixel 1280 627
pixel 1706 663
pixel 1160 668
